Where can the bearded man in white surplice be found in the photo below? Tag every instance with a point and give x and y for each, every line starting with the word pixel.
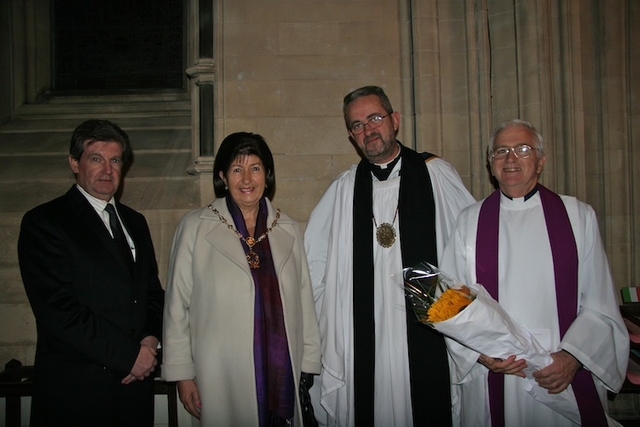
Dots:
pixel 381 367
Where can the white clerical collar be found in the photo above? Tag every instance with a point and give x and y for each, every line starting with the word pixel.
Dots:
pixel 390 162
pixel 526 196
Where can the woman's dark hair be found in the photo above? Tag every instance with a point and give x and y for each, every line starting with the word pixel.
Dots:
pixel 243 144
pixel 99 130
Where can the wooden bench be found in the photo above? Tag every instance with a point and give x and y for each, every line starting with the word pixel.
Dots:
pixel 16 381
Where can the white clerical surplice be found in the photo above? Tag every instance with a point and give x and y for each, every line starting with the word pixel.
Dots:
pixel 597 337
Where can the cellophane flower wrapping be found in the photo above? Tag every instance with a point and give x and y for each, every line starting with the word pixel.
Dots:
pixel 470 316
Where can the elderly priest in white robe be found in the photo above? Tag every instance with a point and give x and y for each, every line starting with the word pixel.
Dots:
pixel 541 256
pixel 396 208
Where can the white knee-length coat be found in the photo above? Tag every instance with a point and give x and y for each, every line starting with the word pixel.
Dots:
pixel 209 313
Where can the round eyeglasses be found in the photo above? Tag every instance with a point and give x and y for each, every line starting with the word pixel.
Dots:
pixel 521 152
pixel 374 122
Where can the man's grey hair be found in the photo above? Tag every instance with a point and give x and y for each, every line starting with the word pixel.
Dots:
pixel 365 91
pixel 537 136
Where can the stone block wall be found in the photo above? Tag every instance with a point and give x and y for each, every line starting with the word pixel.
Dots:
pixel 453 69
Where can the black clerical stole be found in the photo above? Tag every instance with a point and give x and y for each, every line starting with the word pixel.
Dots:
pixel 428 363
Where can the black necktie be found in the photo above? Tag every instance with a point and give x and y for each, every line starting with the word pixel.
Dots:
pixel 118 234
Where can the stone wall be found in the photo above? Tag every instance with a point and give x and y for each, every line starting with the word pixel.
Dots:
pixel 453 69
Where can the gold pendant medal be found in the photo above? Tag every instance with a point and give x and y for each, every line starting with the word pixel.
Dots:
pixel 253 259
pixel 385 235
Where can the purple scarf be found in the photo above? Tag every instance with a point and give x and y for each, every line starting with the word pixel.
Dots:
pixel 565 266
pixel 274 377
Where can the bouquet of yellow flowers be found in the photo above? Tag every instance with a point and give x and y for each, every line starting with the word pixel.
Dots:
pixel 433 295
pixel 469 316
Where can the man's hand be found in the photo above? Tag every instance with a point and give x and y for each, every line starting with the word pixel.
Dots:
pixel 190 397
pixel 509 366
pixel 557 376
pixel 150 341
pixel 146 361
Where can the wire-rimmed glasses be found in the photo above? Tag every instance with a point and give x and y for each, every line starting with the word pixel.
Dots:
pixel 521 152
pixel 374 122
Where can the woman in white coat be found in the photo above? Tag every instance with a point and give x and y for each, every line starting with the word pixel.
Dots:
pixel 239 320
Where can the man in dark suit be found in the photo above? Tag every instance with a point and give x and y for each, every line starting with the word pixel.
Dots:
pixel 98 305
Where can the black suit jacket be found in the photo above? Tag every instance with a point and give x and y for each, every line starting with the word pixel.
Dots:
pixel 91 313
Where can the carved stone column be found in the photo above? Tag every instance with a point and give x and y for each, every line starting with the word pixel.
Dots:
pixel 202 74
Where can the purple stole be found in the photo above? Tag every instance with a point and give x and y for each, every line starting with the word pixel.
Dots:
pixel 565 263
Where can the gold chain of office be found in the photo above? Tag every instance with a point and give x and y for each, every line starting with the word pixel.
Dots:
pixel 252 258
